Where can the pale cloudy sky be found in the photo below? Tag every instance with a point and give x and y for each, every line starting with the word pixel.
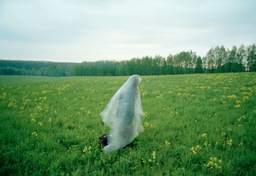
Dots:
pixel 90 30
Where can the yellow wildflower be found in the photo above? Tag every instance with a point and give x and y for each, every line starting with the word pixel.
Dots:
pixel 146 124
pixel 33 120
pixel 238 101
pixel 34 133
pixel 143 160
pixel 206 144
pixel 245 98
pixel 213 163
pixel 229 142
pixel 167 143
pixel 195 149
pixel 232 96
pixel 204 135
pixel 49 120
pixel 40 123
pixel 237 106
pixel 154 155
pixel 87 149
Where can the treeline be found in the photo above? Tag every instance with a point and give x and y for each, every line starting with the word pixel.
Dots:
pixel 35 68
pixel 217 60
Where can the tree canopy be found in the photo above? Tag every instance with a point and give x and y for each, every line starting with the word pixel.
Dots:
pixel 217 60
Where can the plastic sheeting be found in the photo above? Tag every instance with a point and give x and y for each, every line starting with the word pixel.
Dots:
pixel 123 114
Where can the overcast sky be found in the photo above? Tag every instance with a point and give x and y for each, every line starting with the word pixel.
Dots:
pixel 90 30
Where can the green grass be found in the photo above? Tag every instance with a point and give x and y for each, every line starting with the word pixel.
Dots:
pixel 193 125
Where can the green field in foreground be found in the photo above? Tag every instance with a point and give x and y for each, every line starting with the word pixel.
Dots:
pixel 193 125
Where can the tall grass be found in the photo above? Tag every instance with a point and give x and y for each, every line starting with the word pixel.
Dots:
pixel 193 125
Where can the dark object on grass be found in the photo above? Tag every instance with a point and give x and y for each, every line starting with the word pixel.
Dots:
pixel 103 140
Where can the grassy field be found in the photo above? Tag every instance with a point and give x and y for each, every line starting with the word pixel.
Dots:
pixel 193 125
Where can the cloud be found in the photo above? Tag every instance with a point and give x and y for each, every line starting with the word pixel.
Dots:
pixel 95 30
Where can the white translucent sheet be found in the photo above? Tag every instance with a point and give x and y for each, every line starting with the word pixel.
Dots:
pixel 123 114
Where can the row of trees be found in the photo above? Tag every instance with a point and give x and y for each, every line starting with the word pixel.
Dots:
pixel 217 60
pixel 8 67
pixel 236 59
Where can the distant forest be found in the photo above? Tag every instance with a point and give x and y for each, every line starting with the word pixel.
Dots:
pixel 217 60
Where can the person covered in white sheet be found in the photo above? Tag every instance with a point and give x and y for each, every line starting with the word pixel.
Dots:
pixel 123 115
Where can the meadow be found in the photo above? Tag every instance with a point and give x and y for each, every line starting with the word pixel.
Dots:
pixel 200 124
